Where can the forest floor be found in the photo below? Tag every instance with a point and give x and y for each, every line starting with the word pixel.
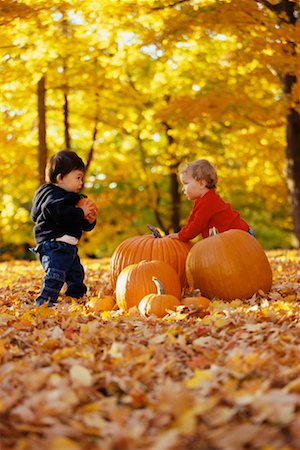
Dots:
pixel 75 379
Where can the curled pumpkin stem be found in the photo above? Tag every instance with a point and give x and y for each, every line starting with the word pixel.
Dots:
pixel 196 293
pixel 160 287
pixel 213 231
pixel 154 231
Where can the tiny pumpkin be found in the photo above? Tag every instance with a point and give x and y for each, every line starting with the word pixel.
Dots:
pixel 158 303
pixel 106 303
pixel 87 201
pixel 197 300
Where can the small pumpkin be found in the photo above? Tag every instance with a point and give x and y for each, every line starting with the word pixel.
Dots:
pixel 228 265
pixel 158 303
pixel 106 303
pixel 197 300
pixel 135 281
pixel 87 201
pixel 150 247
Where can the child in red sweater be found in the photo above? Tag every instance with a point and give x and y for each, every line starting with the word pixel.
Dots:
pixel 199 179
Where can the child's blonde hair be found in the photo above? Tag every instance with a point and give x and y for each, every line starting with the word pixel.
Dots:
pixel 201 169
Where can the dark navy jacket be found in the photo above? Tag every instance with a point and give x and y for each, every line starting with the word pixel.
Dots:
pixel 55 214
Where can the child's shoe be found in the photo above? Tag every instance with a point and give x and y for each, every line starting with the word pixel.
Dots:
pixel 41 301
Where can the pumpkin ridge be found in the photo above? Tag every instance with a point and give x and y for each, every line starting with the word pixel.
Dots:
pixel 135 281
pixel 229 265
pixel 170 250
pixel 135 249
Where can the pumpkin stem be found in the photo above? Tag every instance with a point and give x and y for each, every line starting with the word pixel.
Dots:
pixel 213 231
pixel 154 231
pixel 159 286
pixel 196 293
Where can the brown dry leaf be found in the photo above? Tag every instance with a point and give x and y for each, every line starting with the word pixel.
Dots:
pixel 71 378
pixel 81 376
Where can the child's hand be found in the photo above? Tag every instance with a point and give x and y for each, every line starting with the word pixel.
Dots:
pixel 89 208
pixel 173 236
pixel 91 217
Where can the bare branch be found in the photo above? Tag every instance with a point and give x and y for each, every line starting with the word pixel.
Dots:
pixel 171 5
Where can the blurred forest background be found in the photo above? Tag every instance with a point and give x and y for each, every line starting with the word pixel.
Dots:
pixel 137 88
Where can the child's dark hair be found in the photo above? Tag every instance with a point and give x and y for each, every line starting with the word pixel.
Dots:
pixel 62 163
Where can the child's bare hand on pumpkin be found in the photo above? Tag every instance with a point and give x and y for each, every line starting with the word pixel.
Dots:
pixel 173 236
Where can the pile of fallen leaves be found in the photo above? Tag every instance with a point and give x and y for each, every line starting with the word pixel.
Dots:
pixel 71 379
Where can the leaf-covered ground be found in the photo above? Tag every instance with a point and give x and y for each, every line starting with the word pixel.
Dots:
pixel 71 379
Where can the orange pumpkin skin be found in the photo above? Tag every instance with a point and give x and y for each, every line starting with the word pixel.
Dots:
pixel 139 248
pixel 198 302
pixel 229 265
pixel 135 281
pixel 158 303
pixel 87 201
pixel 97 304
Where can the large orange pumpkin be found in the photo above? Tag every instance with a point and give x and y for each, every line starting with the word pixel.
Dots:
pixel 135 281
pixel 229 265
pixel 158 303
pixel 150 247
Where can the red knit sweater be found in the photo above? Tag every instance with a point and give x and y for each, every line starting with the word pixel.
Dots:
pixel 211 211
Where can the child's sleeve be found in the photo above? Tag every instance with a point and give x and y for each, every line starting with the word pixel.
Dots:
pixel 62 212
pixel 197 222
pixel 87 226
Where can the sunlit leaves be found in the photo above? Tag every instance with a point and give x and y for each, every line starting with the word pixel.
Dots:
pixel 149 84
pixel 71 376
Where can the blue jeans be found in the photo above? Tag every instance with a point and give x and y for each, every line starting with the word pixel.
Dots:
pixel 61 264
pixel 250 231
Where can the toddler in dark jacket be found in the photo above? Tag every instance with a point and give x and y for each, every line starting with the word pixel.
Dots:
pixel 60 216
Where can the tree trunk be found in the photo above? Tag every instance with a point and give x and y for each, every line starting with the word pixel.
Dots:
pixel 42 148
pixel 293 159
pixel 176 198
pixel 95 132
pixel 288 13
pixel 174 185
pixel 66 122
pixel 292 128
pixel 92 147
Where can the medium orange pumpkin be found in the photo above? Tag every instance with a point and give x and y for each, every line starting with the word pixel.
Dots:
pixel 229 265
pixel 158 303
pixel 150 247
pixel 135 281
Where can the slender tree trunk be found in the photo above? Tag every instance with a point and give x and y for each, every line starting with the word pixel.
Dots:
pixel 95 132
pixel 66 122
pixel 42 148
pixel 92 147
pixel 174 185
pixel 176 198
